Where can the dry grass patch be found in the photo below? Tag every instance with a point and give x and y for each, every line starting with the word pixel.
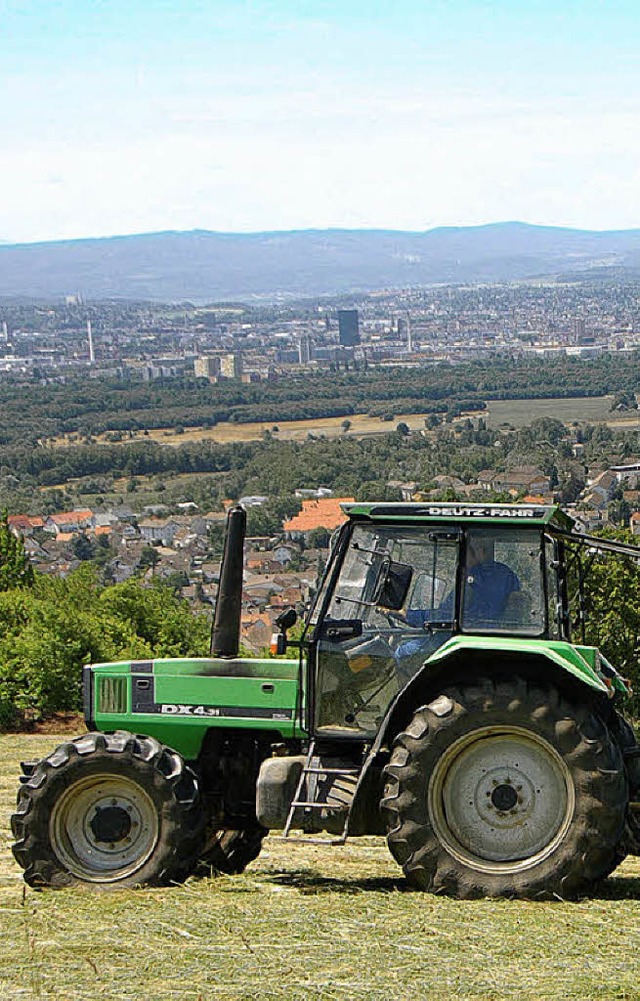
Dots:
pixel 306 923
pixel 226 432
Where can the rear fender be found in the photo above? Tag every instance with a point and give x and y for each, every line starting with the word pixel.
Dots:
pixel 463 658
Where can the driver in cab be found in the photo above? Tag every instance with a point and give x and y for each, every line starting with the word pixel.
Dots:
pixel 486 587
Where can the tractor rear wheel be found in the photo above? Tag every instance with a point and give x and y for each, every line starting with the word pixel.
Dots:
pixel 503 788
pixel 108 811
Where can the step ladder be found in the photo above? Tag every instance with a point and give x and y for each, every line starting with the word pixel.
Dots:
pixel 311 771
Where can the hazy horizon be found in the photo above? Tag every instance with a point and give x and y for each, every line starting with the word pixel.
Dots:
pixel 314 229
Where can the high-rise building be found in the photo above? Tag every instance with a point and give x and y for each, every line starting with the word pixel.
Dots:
pixel 92 355
pixel 579 330
pixel 231 366
pixel 206 367
pixel 348 327
pixel 304 350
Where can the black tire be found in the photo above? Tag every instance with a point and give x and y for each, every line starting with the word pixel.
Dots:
pixel 230 852
pixel 504 789
pixel 108 811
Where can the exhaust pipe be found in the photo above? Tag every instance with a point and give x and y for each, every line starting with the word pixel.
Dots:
pixel 225 634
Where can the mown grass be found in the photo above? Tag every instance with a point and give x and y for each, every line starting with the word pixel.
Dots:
pixel 306 923
pixel 587 409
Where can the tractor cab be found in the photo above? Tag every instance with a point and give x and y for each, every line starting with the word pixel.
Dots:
pixel 405 579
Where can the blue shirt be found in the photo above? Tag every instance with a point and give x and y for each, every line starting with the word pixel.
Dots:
pixel 487 587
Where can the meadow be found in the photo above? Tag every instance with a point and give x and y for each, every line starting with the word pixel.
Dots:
pixel 306 923
pixel 584 409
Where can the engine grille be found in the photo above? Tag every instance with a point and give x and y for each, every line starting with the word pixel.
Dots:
pixel 112 695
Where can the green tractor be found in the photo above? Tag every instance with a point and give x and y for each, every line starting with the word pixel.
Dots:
pixel 437 698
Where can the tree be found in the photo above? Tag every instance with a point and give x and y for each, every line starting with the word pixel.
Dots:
pixel 15 568
pixel 319 538
pixel 148 558
pixel 82 547
pixel 216 539
pixel 613 611
pixel 48 631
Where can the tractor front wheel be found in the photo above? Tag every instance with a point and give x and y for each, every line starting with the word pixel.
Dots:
pixel 505 789
pixel 108 811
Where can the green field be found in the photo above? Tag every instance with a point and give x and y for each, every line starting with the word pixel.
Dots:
pixel 584 409
pixel 306 923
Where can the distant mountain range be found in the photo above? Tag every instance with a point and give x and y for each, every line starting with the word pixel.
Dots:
pixel 203 266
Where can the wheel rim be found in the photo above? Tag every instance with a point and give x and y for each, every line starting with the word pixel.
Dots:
pixel 104 828
pixel 501 799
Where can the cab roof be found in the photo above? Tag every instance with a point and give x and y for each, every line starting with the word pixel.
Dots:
pixel 550 515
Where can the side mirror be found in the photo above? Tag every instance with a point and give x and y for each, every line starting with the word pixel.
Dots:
pixel 285 620
pixel 394 586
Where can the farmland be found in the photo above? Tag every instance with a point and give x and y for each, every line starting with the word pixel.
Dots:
pixel 306 923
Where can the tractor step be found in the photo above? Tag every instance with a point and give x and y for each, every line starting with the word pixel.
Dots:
pixel 301 840
pixel 310 803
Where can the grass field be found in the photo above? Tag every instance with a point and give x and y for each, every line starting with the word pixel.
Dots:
pixel 306 923
pixel 225 432
pixel 591 410
pixel 522 412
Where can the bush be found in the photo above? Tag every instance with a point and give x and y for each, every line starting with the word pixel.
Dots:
pixel 47 634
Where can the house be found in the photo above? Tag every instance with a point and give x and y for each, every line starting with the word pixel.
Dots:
pixel 446 482
pixel 313 494
pixel 158 530
pixel 524 479
pixel 24 524
pixel 253 501
pixel 485 479
pixel 284 553
pixel 69 521
pixel 604 485
pixel 256 630
pixel 406 490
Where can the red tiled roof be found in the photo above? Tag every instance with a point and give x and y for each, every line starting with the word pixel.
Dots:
pixel 25 521
pixel 322 513
pixel 71 517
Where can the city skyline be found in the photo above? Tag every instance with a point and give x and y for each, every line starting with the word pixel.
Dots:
pixel 263 117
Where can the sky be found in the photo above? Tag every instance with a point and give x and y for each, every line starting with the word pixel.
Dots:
pixel 129 116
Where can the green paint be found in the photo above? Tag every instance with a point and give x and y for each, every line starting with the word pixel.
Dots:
pixel 516 515
pixel 577 661
pixel 178 700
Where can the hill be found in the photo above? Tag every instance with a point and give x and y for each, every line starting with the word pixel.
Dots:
pixel 202 266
